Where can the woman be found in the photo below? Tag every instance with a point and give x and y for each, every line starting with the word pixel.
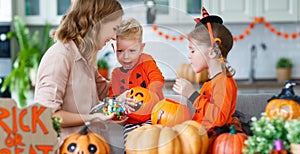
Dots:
pixel 67 80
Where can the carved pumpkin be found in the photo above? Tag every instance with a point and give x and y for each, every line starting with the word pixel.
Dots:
pixel 146 100
pixel 187 72
pixel 168 112
pixel 231 142
pixel 285 104
pixel 189 137
pixel 84 142
pixel 288 109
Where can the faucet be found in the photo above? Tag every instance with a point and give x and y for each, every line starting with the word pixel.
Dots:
pixel 252 57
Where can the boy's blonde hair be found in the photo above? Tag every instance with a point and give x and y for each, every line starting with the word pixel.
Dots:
pixel 130 29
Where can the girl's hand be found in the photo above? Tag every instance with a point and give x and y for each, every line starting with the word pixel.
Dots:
pixel 183 87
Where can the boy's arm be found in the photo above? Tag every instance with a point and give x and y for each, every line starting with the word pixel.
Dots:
pixel 155 77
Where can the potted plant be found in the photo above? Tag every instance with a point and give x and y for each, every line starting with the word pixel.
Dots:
pixel 32 47
pixel 103 67
pixel 284 69
pixel 293 129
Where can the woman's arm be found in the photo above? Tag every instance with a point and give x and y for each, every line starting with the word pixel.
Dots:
pixel 74 119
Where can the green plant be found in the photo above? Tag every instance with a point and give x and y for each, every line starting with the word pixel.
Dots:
pixel 56 121
pixel 32 48
pixel 284 63
pixel 102 64
pixel 293 128
pixel 265 131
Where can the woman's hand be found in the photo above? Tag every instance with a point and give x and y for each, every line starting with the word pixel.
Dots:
pixel 183 87
pixel 102 116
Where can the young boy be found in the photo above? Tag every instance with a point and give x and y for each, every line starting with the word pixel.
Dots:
pixel 137 69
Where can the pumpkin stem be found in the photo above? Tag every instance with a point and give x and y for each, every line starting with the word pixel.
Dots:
pixel 83 130
pixel 232 130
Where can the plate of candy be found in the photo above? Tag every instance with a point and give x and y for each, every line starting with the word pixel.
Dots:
pixel 111 106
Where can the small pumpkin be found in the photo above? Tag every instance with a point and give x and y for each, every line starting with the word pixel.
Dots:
pixel 285 104
pixel 187 137
pixel 229 143
pixel 146 100
pixel 168 112
pixel 288 109
pixel 84 142
pixel 187 72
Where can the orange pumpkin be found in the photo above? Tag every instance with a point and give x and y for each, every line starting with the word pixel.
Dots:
pixel 229 143
pixel 285 104
pixel 147 101
pixel 288 109
pixel 169 113
pixel 187 72
pixel 84 142
pixel 189 137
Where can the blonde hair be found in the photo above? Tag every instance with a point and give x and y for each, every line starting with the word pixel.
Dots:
pixel 130 29
pixel 82 23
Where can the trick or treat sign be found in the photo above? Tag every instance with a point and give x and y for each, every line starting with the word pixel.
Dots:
pixel 26 131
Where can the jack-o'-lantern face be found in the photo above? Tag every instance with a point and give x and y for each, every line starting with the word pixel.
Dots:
pixel 84 144
pixel 145 99
pixel 287 109
pixel 139 94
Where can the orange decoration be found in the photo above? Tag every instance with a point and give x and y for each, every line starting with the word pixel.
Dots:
pixel 287 109
pixel 231 142
pixel 147 100
pixel 154 28
pixel 160 33
pixel 256 19
pixel 267 24
pixel 278 33
pixel 241 37
pixel 181 38
pixel 272 29
pixel 168 112
pixel 286 35
pixel 234 38
pixel 166 36
pixel 247 32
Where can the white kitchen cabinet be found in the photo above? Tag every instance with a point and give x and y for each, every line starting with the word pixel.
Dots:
pixel 235 11
pixel 278 10
pixel 39 12
pixel 5 10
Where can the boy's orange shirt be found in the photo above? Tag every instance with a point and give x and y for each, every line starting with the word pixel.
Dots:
pixel 217 102
pixel 145 74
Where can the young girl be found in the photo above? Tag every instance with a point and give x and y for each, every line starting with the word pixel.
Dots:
pixel 209 44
